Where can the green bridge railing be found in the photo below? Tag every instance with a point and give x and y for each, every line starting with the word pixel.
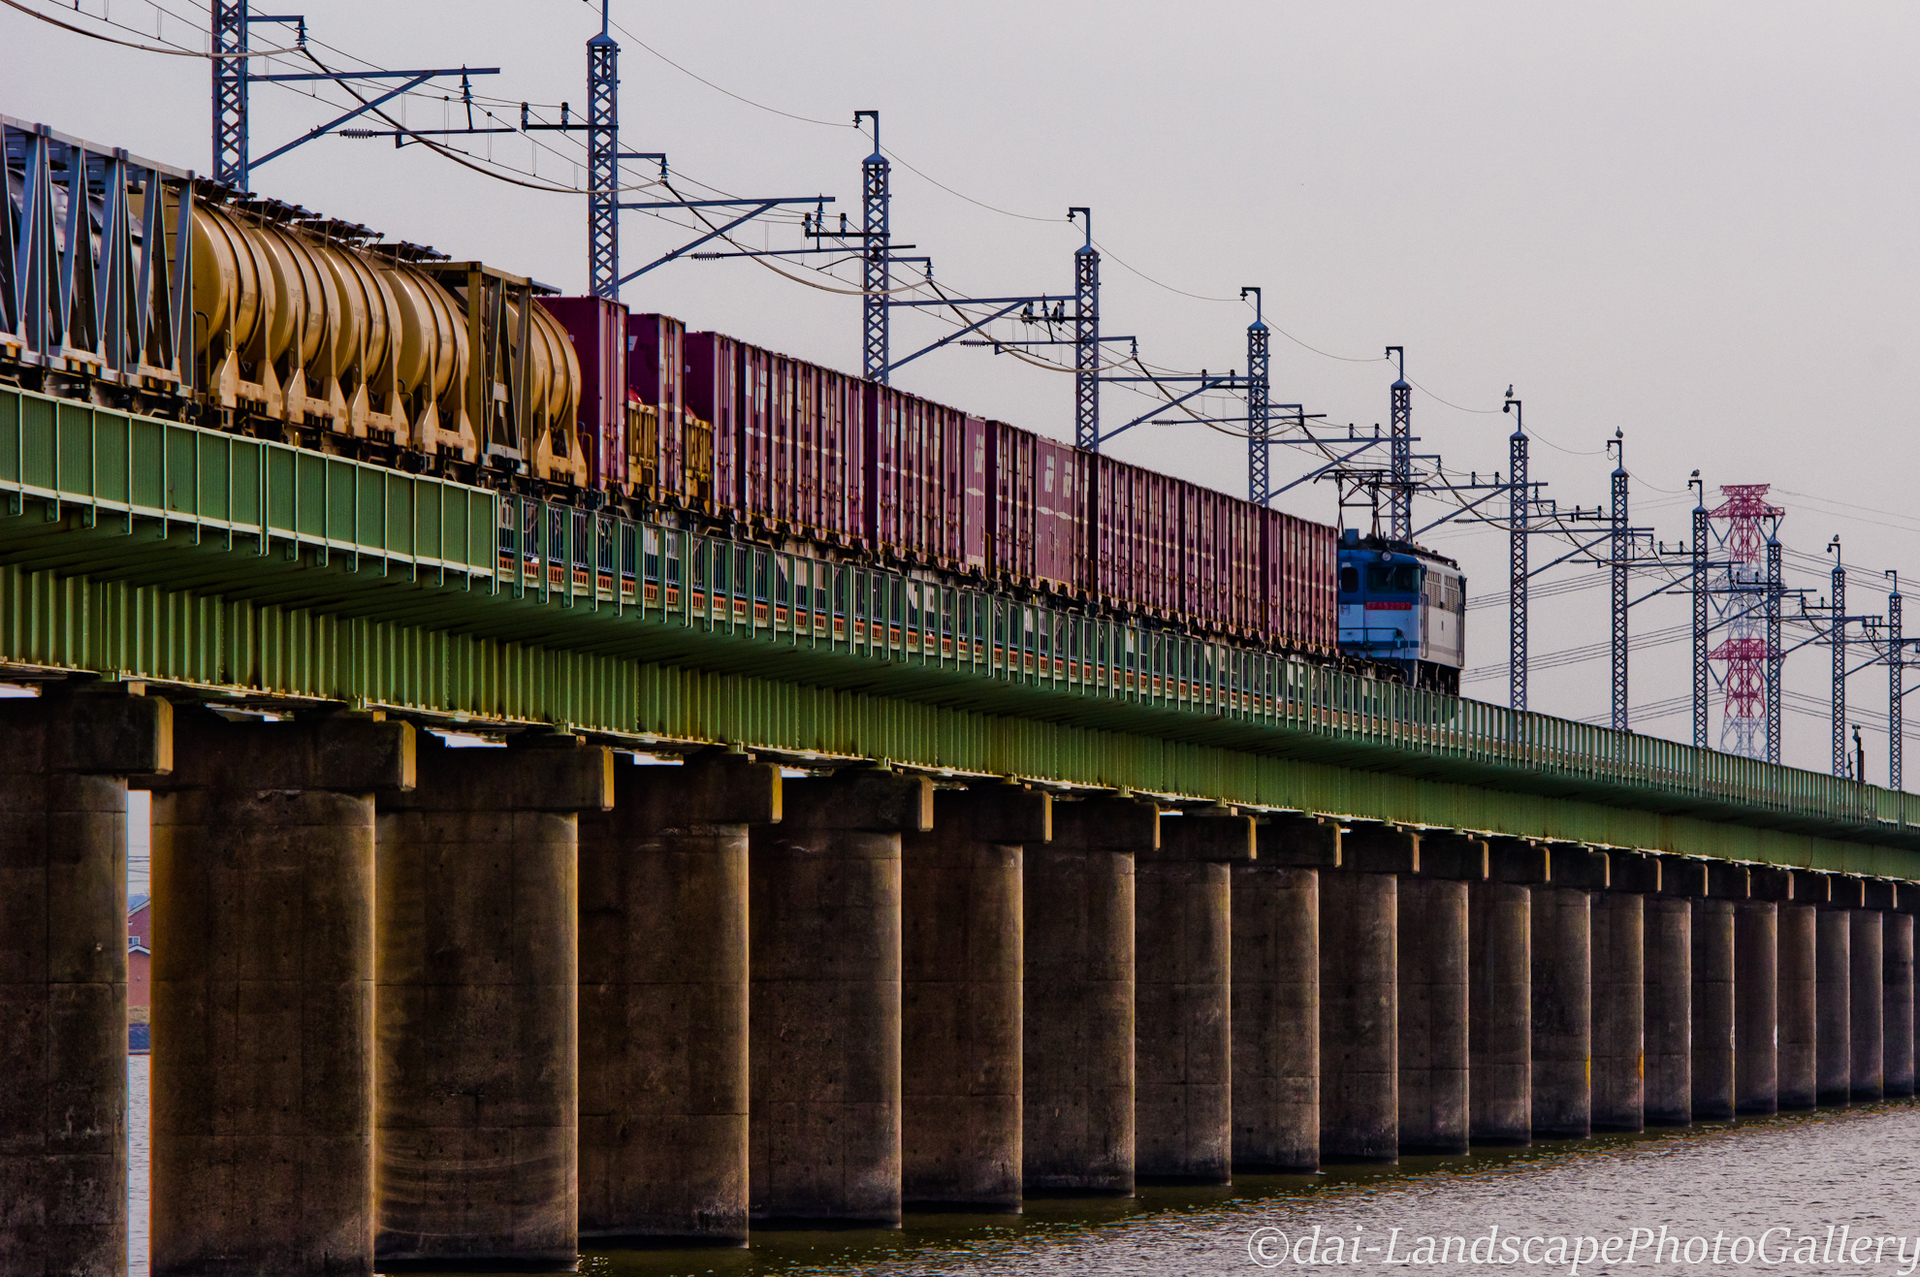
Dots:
pixel 90 466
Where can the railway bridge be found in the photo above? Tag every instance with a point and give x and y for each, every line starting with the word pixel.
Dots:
pixel 806 890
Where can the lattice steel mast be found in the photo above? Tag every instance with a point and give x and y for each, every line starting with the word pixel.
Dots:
pixel 1517 505
pixel 603 162
pixel 230 93
pixel 876 177
pixel 1622 554
pixel 1775 657
pixel 1744 602
pixel 1700 680
pixel 1837 640
pixel 1086 339
pixel 1400 455
pixel 1896 689
pixel 1259 403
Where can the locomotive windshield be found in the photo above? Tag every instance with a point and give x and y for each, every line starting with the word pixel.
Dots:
pixel 1393 578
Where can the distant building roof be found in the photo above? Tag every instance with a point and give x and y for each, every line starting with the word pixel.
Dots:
pixel 136 903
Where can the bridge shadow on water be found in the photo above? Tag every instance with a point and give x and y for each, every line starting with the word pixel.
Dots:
pixel 954 1241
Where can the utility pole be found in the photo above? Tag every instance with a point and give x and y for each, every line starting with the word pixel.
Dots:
pixel 1700 680
pixel 603 162
pixel 1896 689
pixel 1517 503
pixel 1259 403
pixel 1400 455
pixel 1086 339
pixel 1837 638
pixel 1622 553
pixel 1774 655
pixel 876 179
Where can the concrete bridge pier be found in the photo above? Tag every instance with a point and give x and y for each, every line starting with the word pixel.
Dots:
pixel 1433 999
pixel 1276 994
pixel 1359 995
pixel 1669 1000
pixel 478 1066
pixel 64 762
pixel 1713 996
pixel 1797 989
pixel 1756 991
pixel 1898 991
pixel 1833 963
pixel 824 903
pixel 1619 992
pixel 1078 1019
pixel 962 939
pixel 1183 1038
pixel 663 998
pixel 1500 992
pixel 263 992
pixel 1563 994
pixel 1867 998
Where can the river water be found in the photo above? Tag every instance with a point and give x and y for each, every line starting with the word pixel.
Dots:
pixel 1835 1192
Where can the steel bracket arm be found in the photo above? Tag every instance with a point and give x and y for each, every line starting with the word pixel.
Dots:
pixel 415 80
pixel 1337 461
pixel 688 248
pixel 975 326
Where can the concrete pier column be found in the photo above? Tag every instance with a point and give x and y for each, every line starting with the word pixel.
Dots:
pixel 1433 960
pixel 1078 1020
pixel 1359 995
pixel 1669 1001
pixel 1756 992
pixel 1563 994
pixel 1183 1038
pixel 1833 972
pixel 263 993
pixel 663 998
pixel 1713 1010
pixel 1619 993
pixel 64 760
pixel 1276 994
pixel 1867 1001
pixel 478 1134
pixel 824 1031
pixel 962 928
pixel 1500 992
pixel 1898 993
pixel 1799 1056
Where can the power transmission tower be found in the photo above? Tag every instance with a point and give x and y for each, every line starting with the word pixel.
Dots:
pixel 1896 686
pixel 1837 641
pixel 1776 591
pixel 1742 602
pixel 1621 556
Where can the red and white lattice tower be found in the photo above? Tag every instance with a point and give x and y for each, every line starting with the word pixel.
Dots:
pixel 1739 602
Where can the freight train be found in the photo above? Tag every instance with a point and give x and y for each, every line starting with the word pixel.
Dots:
pixel 190 301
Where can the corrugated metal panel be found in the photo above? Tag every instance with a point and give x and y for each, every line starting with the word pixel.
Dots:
pixel 597 327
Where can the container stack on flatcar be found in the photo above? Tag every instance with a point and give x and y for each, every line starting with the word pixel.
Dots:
pixel 309 330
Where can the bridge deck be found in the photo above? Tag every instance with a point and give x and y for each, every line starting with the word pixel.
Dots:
pixel 140 548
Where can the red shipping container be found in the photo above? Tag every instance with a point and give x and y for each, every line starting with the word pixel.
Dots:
pixel 713 393
pixel 917 465
pixel 597 328
pixel 974 487
pixel 656 367
pixel 1061 489
pixel 1010 535
pixel 756 433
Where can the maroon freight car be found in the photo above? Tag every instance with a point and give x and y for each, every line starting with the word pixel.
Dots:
pixel 1039 517
pixel 598 330
pixel 723 428
pixel 923 461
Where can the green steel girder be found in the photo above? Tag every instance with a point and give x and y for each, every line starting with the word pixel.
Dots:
pixel 142 549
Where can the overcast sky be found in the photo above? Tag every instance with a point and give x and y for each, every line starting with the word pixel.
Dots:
pixel 1693 223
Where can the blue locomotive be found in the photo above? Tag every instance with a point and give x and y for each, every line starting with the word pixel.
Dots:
pixel 1403 611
